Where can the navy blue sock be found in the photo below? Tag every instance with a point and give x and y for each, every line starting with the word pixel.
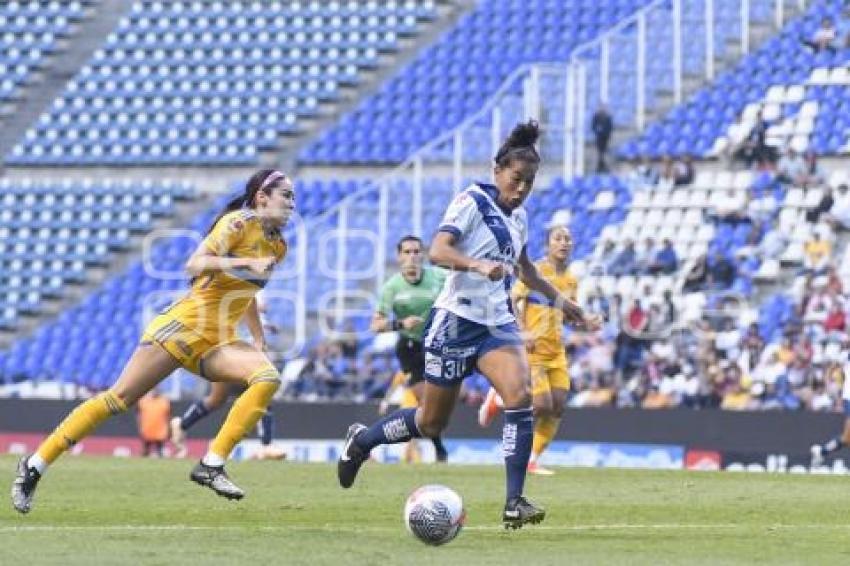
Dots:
pixel 193 414
pixel 266 428
pixel 396 427
pixel 517 437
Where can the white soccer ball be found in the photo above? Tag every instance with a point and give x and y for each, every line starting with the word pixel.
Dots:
pixel 434 514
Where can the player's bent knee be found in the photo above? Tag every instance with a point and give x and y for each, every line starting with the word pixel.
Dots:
pixel 266 374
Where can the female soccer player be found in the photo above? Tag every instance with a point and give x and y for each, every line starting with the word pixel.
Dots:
pixel 406 300
pixel 550 380
pixel 482 240
pixel 198 332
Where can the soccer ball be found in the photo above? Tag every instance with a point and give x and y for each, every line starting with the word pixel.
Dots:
pixel 434 514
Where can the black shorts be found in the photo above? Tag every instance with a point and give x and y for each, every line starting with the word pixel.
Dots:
pixel 411 358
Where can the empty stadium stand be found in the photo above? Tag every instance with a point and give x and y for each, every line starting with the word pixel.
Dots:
pixel 213 83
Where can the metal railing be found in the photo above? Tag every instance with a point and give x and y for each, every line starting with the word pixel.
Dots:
pixel 346 275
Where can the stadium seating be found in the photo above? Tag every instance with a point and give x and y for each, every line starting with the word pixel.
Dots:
pixel 213 83
pixel 453 78
pixel 31 31
pixel 51 232
pixel 803 95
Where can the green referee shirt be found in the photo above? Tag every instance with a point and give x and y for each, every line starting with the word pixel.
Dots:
pixel 400 299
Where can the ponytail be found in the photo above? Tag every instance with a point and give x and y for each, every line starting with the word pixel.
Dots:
pixel 263 180
pixel 520 145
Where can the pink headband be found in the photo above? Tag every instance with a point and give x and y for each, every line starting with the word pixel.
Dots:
pixel 273 176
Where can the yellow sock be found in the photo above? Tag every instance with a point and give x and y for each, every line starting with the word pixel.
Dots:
pixel 545 429
pixel 79 424
pixel 246 411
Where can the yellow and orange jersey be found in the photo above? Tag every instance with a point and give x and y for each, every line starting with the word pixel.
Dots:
pixel 217 300
pixel 543 321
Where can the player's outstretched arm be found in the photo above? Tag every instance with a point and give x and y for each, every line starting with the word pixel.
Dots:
pixel 573 312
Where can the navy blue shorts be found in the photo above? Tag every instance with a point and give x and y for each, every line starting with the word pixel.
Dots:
pixel 846 404
pixel 453 345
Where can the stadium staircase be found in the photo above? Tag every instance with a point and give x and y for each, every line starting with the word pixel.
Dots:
pixel 87 35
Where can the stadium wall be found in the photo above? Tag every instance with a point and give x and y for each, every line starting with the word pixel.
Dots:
pixel 596 437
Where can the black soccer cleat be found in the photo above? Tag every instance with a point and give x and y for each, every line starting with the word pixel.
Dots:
pixel 351 458
pixel 215 478
pixel 519 511
pixel 23 487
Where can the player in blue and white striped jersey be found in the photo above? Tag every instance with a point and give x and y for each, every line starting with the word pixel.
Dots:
pixel 482 241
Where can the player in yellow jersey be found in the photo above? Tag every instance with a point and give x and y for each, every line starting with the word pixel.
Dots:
pixel 542 323
pixel 198 332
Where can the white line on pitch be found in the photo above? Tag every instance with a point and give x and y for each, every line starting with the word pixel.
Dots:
pixel 339 528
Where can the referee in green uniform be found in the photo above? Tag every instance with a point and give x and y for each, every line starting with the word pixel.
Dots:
pixel 406 301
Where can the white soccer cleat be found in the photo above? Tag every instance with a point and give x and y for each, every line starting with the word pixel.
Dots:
pixel 489 408
pixel 817 455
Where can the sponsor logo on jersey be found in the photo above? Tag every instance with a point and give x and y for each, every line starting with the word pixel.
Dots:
pixel 433 364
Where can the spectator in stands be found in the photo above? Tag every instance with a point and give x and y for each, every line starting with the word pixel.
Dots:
pixel 736 396
pixel 820 399
pixel 606 259
pixel 697 277
pixel 668 308
pixel 667 174
pixel 754 149
pixel 602 126
pixel 728 340
pixel 625 263
pixel 791 167
pixel 685 172
pixel 752 345
pixel 154 414
pixel 813 174
pixel 646 256
pixel 655 323
pixel 666 261
pixel 644 175
pixel 833 281
pixel 597 302
pixel 824 38
pixel 839 214
pixel 721 272
pixel 817 254
pixel 836 322
pixel 637 319
pixel 348 343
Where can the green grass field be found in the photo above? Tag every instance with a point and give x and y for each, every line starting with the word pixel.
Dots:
pixel 110 511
